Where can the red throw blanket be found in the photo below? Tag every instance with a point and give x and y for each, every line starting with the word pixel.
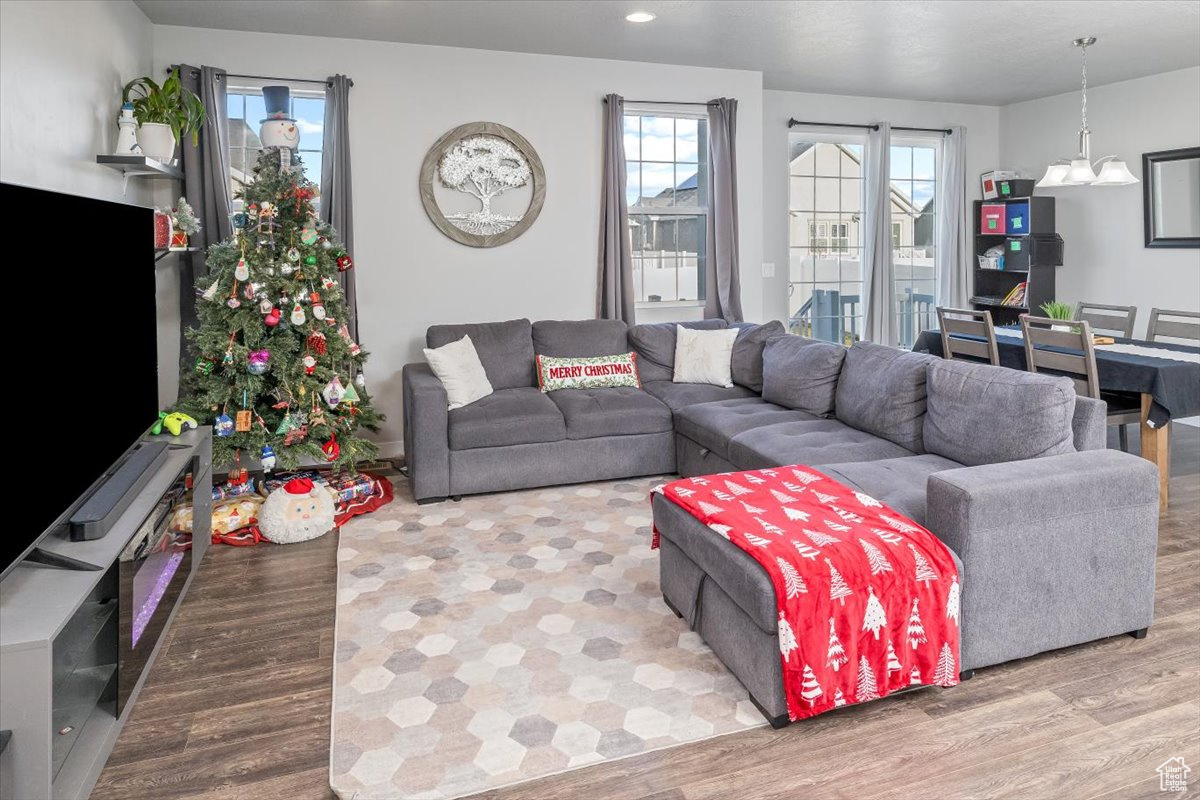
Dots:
pixel 868 600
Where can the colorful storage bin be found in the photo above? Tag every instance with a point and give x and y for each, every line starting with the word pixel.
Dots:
pixel 1017 218
pixel 992 219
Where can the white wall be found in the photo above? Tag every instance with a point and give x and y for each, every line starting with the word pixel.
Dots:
pixel 1106 260
pixel 981 123
pixel 62 67
pixel 405 96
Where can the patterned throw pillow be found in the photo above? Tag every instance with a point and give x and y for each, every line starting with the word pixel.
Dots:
pixel 597 372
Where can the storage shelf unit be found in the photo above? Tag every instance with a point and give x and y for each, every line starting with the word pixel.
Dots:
pixel 1017 222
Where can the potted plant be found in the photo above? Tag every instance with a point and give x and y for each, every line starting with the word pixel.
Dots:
pixel 1056 310
pixel 164 114
pixel 184 222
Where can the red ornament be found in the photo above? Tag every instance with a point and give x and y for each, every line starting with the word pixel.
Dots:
pixel 331 449
pixel 316 343
pixel 162 230
pixel 344 263
pixel 310 365
pixel 272 319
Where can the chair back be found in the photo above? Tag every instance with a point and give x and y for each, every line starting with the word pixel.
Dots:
pixel 1063 352
pixel 1186 324
pixel 955 323
pixel 1115 320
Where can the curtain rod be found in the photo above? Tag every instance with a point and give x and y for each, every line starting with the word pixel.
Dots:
pixel 794 122
pixel 267 77
pixel 666 102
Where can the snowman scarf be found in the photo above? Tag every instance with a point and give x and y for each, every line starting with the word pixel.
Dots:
pixel 868 600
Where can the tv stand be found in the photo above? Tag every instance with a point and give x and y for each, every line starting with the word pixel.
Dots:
pixel 51 559
pixel 76 644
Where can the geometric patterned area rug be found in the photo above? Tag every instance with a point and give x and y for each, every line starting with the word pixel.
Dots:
pixel 508 637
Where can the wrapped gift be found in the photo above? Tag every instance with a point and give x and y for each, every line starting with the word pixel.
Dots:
pixel 225 491
pixel 162 230
pixel 352 487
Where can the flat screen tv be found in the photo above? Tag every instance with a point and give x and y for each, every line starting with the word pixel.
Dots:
pixel 83 351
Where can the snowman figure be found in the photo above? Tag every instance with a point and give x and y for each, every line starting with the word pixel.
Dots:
pixel 279 128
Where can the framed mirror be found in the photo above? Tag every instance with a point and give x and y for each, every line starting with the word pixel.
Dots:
pixel 1171 197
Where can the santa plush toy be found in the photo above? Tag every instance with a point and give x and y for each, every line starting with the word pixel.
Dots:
pixel 296 512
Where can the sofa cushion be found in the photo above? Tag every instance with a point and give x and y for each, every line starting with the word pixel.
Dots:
pixel 580 338
pixel 505 417
pixel 896 482
pixel 682 395
pixel 813 442
pixel 458 367
pixel 980 414
pixel 655 346
pixel 713 425
pixel 748 352
pixel 704 356
pixel 881 390
pixel 802 373
pixel 505 349
pixel 619 411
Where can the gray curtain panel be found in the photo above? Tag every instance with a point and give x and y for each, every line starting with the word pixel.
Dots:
pixel 206 185
pixel 879 285
pixel 614 294
pixel 723 295
pixel 337 194
pixel 954 255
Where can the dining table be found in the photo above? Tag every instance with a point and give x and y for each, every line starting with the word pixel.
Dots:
pixel 1165 374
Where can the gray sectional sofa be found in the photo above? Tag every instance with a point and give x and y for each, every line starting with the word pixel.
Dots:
pixel 1055 536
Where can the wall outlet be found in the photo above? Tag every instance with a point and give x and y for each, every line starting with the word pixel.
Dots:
pixel 768 270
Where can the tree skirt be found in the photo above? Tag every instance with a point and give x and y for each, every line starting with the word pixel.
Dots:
pixel 508 637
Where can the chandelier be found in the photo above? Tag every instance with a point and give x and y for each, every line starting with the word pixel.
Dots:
pixel 1081 170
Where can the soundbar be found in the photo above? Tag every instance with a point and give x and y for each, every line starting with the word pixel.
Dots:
pixel 96 516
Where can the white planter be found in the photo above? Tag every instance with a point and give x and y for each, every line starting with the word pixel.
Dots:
pixel 1063 328
pixel 157 141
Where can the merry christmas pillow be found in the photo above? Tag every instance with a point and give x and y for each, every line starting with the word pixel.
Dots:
pixel 596 372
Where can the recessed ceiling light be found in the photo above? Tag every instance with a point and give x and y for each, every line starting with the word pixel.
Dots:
pixel 640 16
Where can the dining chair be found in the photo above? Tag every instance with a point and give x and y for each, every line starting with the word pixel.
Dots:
pixel 954 323
pixel 1072 353
pixel 1115 320
pixel 1173 328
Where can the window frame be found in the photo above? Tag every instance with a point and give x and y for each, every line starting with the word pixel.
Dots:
pixel 936 142
pixel 703 168
pixel 246 87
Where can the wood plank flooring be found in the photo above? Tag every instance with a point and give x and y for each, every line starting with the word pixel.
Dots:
pixel 237 706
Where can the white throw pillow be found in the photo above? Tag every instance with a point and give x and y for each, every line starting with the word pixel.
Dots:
pixel 458 367
pixel 704 356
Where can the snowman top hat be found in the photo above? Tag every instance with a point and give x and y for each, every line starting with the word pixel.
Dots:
pixel 278 102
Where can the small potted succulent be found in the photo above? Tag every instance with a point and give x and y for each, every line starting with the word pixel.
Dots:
pixel 184 224
pixel 1056 310
pixel 164 114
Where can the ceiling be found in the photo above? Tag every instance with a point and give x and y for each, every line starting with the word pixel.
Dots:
pixel 982 51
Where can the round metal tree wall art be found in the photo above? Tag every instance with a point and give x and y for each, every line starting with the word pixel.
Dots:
pixel 482 184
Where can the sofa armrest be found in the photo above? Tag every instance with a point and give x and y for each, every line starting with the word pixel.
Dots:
pixel 1089 425
pixel 1056 551
pixel 426 441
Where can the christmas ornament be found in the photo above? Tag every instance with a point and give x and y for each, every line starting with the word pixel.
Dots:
pixel 241 220
pixel 223 425
pixel 344 263
pixel 248 291
pixel 233 302
pixel 310 260
pixel 272 318
pixel 333 392
pixel 361 380
pixel 288 423
pixel 297 314
pixel 243 420
pixel 296 435
pixel 286 269
pixel 242 270
pixel 316 342
pixel 316 417
pixel 318 308
pixel 267 458
pixel 227 359
pixel 310 365
pixel 293 254
pixel 308 236
pixel 258 362
pixel 328 283
pixel 211 292
pixel 205 365
pixel 265 307
pixel 331 449
pixel 351 396
pixel 325 243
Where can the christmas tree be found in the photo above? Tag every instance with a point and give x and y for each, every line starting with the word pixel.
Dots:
pixel 945 674
pixel 276 371
pixel 867 688
pixel 838 590
pixel 874 618
pixel 837 654
pixel 916 630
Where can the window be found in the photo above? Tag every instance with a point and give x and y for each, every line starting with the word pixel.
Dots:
pixel 246 111
pixel 825 238
pixel 666 159
pixel 914 234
